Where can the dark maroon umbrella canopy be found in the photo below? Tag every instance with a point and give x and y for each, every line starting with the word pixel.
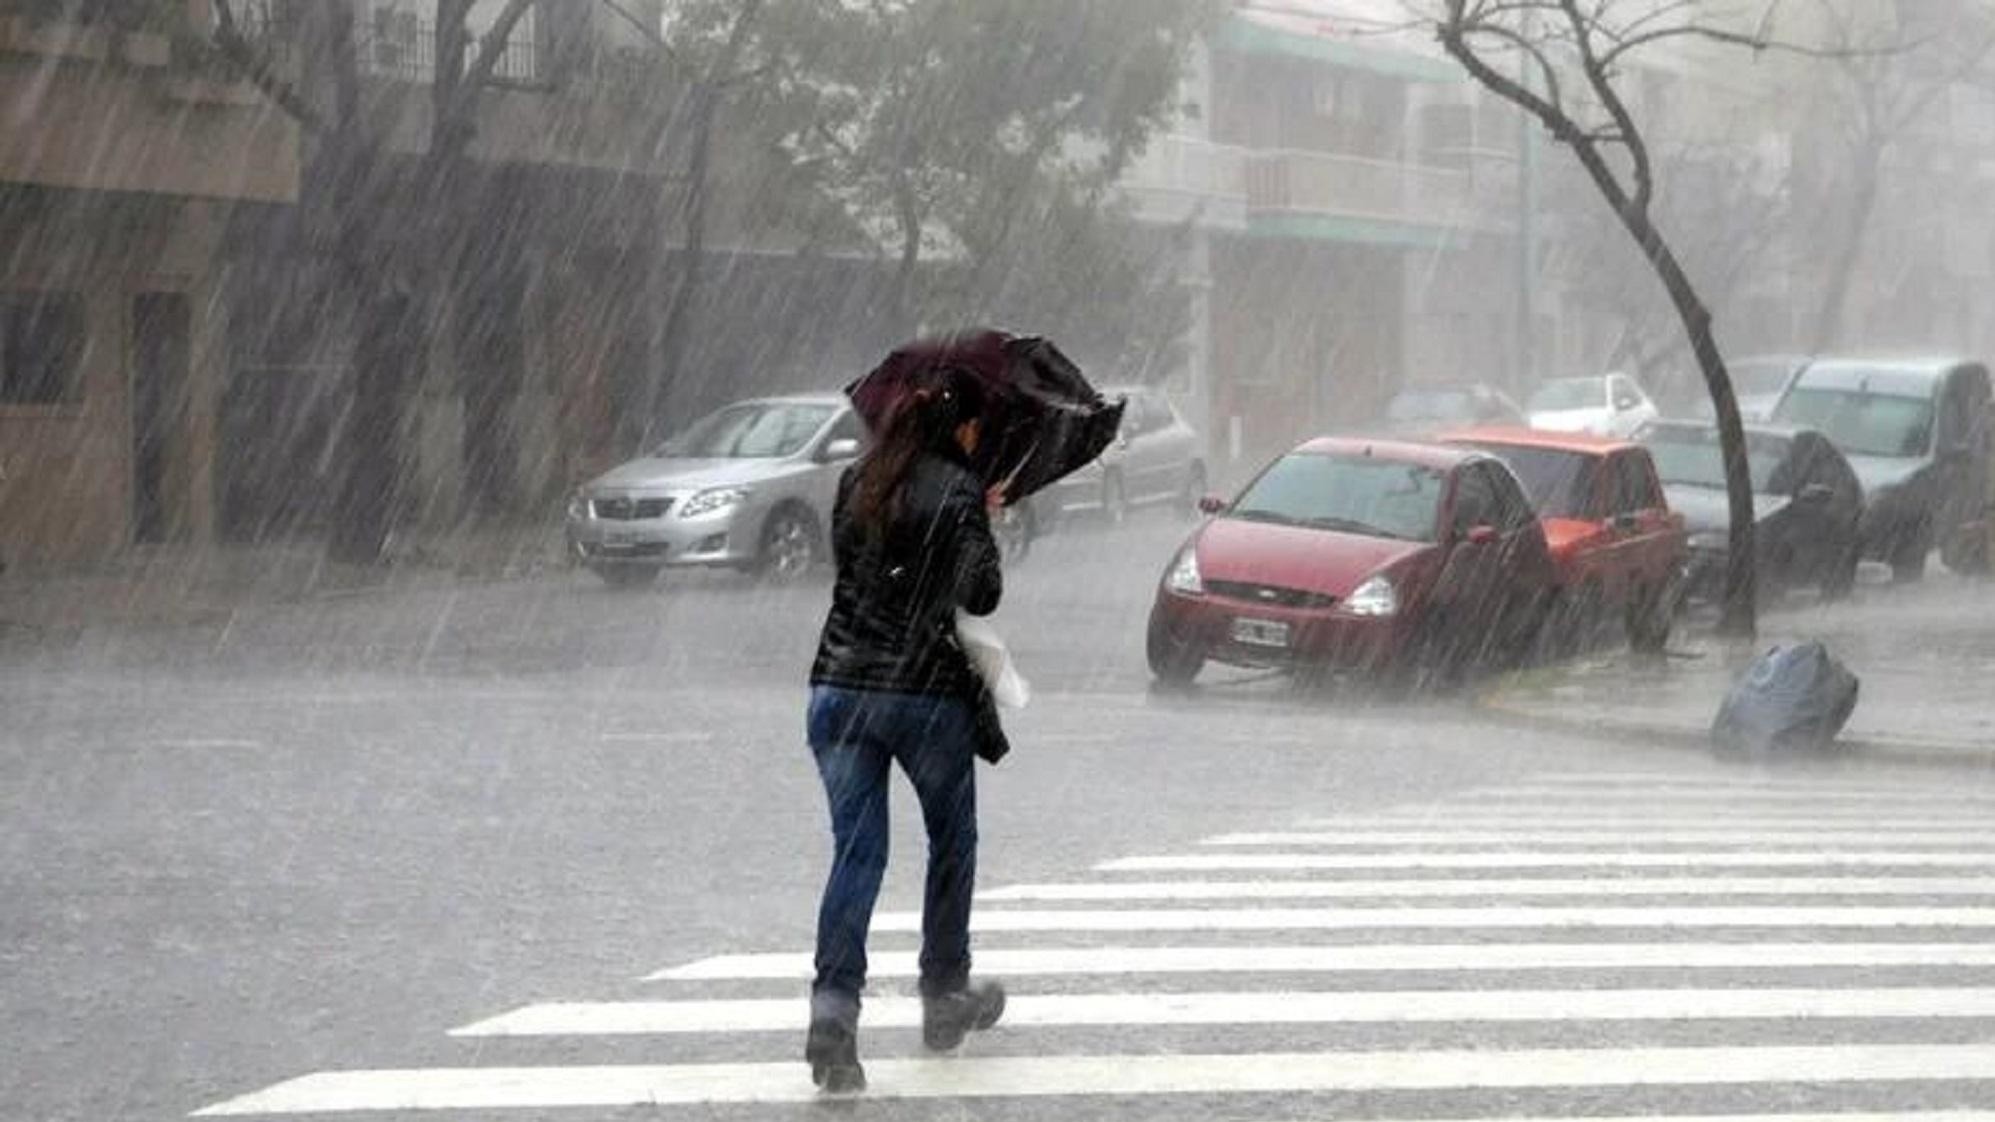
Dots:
pixel 1042 419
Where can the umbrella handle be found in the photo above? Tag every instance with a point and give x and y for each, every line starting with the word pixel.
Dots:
pixel 1007 481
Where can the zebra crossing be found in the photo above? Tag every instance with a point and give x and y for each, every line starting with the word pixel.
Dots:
pixel 1626 946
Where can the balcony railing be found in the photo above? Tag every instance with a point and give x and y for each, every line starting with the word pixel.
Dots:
pixel 401 48
pixel 1355 187
pixel 1190 166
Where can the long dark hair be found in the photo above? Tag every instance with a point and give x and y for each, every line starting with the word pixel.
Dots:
pixel 925 420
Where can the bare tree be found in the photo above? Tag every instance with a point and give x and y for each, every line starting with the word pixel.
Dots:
pixel 385 284
pixel 1573 54
pixel 1879 91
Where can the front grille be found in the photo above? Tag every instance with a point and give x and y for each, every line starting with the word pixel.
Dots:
pixel 1269 594
pixel 630 510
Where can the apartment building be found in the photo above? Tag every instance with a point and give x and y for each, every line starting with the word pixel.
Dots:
pixel 120 164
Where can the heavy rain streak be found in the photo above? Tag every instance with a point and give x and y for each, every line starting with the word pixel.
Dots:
pixel 1018 560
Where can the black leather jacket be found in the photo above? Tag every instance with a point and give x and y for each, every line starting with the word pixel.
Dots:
pixel 893 608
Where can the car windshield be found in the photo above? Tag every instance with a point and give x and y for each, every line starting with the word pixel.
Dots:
pixel 1759 377
pixel 751 430
pixel 1559 482
pixel 1355 494
pixel 1862 423
pixel 1568 393
pixel 1431 405
pixel 1689 456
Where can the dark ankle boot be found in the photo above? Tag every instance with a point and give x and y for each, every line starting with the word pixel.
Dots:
pixel 833 1051
pixel 947 1018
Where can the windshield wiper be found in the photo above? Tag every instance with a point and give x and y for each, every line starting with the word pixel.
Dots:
pixel 1255 515
pixel 1349 526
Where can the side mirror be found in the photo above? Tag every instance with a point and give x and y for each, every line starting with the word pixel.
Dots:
pixel 1816 494
pixel 844 448
pixel 1481 535
pixel 1211 504
pixel 1625 523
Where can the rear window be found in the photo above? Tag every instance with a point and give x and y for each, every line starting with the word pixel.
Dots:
pixel 1431 405
pixel 1569 393
pixel 1560 483
pixel 1353 494
pixel 1689 457
pixel 1862 423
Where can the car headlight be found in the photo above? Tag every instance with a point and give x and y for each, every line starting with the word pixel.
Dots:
pixel 578 505
pixel 1374 597
pixel 712 499
pixel 1183 577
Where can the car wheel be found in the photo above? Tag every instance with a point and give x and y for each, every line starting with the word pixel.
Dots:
pixel 1908 560
pixel 628 576
pixel 1648 619
pixel 789 547
pixel 1195 485
pixel 1966 551
pixel 1575 619
pixel 1841 578
pixel 1174 662
pixel 1114 499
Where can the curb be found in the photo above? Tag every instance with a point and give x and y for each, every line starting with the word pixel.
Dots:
pixel 1929 753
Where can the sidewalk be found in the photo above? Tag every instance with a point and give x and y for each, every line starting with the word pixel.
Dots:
pixel 186 586
pixel 1925 655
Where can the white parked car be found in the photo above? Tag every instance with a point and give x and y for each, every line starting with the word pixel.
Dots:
pixel 1604 405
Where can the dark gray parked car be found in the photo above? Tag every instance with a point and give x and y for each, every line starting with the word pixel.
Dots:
pixel 1916 433
pixel 1807 504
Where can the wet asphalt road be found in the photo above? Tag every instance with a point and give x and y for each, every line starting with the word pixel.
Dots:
pixel 318 836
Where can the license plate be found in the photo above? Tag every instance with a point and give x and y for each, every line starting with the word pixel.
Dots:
pixel 1260 632
pixel 620 537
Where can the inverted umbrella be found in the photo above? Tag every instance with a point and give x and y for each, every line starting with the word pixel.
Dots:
pixel 1042 420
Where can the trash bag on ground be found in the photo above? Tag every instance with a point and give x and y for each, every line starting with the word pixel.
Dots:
pixel 1796 697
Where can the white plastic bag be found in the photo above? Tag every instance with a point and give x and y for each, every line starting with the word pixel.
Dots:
pixel 992 661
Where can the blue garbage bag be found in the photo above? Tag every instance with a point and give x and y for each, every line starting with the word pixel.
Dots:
pixel 1795 697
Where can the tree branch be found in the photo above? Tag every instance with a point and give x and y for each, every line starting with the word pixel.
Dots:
pixel 493 45
pixel 255 66
pixel 1602 81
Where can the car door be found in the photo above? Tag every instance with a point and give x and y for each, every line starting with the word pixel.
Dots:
pixel 1466 590
pixel 1962 451
pixel 1630 407
pixel 1645 541
pixel 1151 453
pixel 823 485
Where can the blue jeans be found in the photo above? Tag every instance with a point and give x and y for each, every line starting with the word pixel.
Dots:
pixel 855 735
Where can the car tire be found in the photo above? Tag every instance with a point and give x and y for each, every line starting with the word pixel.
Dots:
pixel 1965 551
pixel 1908 559
pixel 628 577
pixel 1174 662
pixel 1195 484
pixel 1648 619
pixel 1575 617
pixel 788 550
pixel 1114 499
pixel 1841 578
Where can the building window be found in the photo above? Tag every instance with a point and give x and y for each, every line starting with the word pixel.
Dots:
pixel 41 347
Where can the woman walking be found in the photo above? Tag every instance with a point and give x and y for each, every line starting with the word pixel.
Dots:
pixel 912 540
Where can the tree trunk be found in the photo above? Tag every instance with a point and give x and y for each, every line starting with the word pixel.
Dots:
pixel 1738 610
pixel 675 334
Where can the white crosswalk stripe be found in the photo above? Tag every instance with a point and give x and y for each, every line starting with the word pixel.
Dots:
pixel 1843 930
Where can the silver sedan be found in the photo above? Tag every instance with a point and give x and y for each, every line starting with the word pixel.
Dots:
pixel 748 487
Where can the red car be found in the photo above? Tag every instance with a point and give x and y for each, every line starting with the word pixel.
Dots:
pixel 1353 554
pixel 1619 549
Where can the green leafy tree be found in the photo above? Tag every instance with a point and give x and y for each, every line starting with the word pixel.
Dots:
pixel 966 136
